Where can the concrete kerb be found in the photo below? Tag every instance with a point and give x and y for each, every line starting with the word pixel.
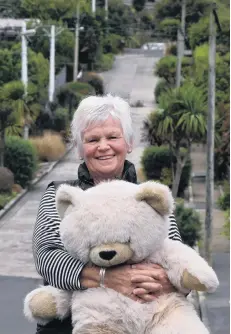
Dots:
pixel 201 296
pixel 34 181
pixel 202 303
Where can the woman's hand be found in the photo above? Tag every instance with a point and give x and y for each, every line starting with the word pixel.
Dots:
pixel 120 279
pixel 150 281
pixel 141 282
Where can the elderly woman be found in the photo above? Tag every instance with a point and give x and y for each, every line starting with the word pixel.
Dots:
pixel 102 133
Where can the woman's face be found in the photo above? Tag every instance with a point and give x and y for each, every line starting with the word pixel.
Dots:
pixel 105 149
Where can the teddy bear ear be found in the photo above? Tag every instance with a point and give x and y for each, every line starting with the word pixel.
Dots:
pixel 157 195
pixel 67 196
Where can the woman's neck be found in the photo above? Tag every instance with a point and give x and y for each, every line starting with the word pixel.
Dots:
pixel 98 179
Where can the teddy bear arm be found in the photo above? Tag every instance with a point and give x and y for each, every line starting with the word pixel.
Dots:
pixel 186 269
pixel 47 303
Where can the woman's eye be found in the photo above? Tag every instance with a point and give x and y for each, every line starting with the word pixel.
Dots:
pixel 113 137
pixel 92 140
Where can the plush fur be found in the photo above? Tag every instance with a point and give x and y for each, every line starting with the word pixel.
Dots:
pixel 113 223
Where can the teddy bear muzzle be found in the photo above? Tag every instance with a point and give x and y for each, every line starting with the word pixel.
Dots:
pixel 108 255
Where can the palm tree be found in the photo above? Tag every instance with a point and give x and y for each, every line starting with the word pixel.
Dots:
pixel 179 121
pixel 9 121
pixel 23 105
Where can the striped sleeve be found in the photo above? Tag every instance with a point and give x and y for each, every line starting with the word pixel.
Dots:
pixel 173 232
pixel 52 261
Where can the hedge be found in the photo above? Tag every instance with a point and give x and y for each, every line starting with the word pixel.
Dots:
pixel 189 224
pixel 157 164
pixel 21 158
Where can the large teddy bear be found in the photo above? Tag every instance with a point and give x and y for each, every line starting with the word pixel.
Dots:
pixel 119 222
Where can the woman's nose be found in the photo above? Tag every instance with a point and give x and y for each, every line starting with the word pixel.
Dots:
pixel 103 145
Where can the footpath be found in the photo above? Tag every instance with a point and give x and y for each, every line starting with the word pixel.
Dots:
pixel 215 308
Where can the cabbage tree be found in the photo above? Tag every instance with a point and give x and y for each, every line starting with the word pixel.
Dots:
pixel 180 121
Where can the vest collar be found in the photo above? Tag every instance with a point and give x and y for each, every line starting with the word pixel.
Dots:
pixel 129 173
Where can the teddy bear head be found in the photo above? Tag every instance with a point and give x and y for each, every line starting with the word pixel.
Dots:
pixel 114 222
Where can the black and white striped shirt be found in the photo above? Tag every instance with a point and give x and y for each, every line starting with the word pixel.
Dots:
pixel 52 261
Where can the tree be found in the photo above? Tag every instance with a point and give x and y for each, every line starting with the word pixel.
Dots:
pixel 10 64
pixel 172 9
pixel 199 32
pixel 90 40
pixel 25 107
pixel 121 18
pixel 55 10
pixel 9 116
pixel 222 148
pixel 166 68
pixel 179 121
pixel 201 68
pixel 138 5
pixel 100 3
pixel 10 8
pixel 168 27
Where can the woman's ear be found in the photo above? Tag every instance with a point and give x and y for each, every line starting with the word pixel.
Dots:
pixel 67 196
pixel 157 195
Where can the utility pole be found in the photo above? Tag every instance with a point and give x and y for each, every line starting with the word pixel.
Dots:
pixel 210 136
pixel 106 10
pixel 93 6
pixel 76 50
pixel 52 34
pixel 106 15
pixel 52 65
pixel 24 70
pixel 180 43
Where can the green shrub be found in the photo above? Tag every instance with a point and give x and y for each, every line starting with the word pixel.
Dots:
pixel 81 88
pixel 161 87
pixel 226 227
pixel 224 201
pixel 60 121
pixel 155 161
pixel 21 158
pixel 169 27
pixel 105 62
pixel 112 44
pixel 67 98
pixel 166 68
pixel 95 80
pixel 171 50
pixel 6 180
pixel 6 198
pixel 189 224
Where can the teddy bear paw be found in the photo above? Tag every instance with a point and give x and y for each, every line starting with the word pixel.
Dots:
pixel 208 283
pixel 40 306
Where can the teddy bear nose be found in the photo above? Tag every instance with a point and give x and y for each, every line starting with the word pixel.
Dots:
pixel 107 255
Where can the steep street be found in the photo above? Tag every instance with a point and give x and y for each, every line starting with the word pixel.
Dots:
pixel 131 78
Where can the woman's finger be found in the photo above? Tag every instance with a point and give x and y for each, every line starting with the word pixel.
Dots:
pixel 136 298
pixel 154 274
pixel 142 278
pixel 139 291
pixel 150 287
pixel 147 298
pixel 146 266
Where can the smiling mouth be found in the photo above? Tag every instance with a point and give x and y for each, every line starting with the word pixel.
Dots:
pixel 108 157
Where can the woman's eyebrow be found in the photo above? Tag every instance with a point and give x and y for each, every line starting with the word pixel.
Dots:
pixel 115 132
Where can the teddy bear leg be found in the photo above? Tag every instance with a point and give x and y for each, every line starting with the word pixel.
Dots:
pixel 177 316
pixel 98 329
pixel 46 303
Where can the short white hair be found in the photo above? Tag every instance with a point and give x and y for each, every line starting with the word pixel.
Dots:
pixel 97 109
